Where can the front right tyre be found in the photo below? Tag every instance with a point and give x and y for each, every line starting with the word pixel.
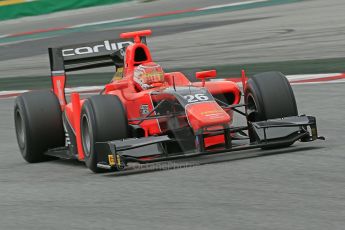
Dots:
pixel 269 96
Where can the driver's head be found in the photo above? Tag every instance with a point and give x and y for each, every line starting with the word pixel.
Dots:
pixel 148 75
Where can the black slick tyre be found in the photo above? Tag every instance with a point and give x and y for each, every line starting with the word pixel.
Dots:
pixel 38 124
pixel 103 118
pixel 269 96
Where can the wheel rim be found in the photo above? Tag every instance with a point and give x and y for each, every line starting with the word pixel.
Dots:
pixel 252 109
pixel 86 137
pixel 20 129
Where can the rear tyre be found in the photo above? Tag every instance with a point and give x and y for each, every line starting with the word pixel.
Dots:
pixel 103 118
pixel 269 96
pixel 38 124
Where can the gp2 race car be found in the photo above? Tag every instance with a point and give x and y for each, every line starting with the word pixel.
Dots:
pixel 177 119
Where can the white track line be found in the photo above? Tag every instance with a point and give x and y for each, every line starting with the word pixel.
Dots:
pixel 231 4
pixel 92 89
pixel 103 22
pixel 310 76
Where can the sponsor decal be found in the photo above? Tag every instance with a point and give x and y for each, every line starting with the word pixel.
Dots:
pixel 111 160
pixel 144 109
pixel 67 140
pixel 106 46
pixel 192 98
pixel 210 112
pixel 118 160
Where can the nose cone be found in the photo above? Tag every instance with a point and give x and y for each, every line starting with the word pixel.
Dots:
pixel 206 114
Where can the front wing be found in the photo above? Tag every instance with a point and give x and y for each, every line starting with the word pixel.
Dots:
pixel 270 133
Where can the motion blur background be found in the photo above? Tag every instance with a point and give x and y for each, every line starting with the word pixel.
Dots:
pixel 292 36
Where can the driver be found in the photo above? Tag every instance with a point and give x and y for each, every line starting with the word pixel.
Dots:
pixel 148 75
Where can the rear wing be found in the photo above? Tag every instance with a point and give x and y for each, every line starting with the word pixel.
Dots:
pixel 85 56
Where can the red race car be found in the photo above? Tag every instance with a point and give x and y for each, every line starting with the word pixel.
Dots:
pixel 145 115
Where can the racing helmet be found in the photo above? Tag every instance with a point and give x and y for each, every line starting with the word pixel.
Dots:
pixel 148 75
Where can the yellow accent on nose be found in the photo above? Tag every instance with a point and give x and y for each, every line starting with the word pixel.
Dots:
pixel 118 159
pixel 111 160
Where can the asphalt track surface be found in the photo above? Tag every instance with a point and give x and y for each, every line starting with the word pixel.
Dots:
pixel 301 187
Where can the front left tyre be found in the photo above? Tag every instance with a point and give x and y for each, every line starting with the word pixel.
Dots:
pixel 38 124
pixel 103 118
